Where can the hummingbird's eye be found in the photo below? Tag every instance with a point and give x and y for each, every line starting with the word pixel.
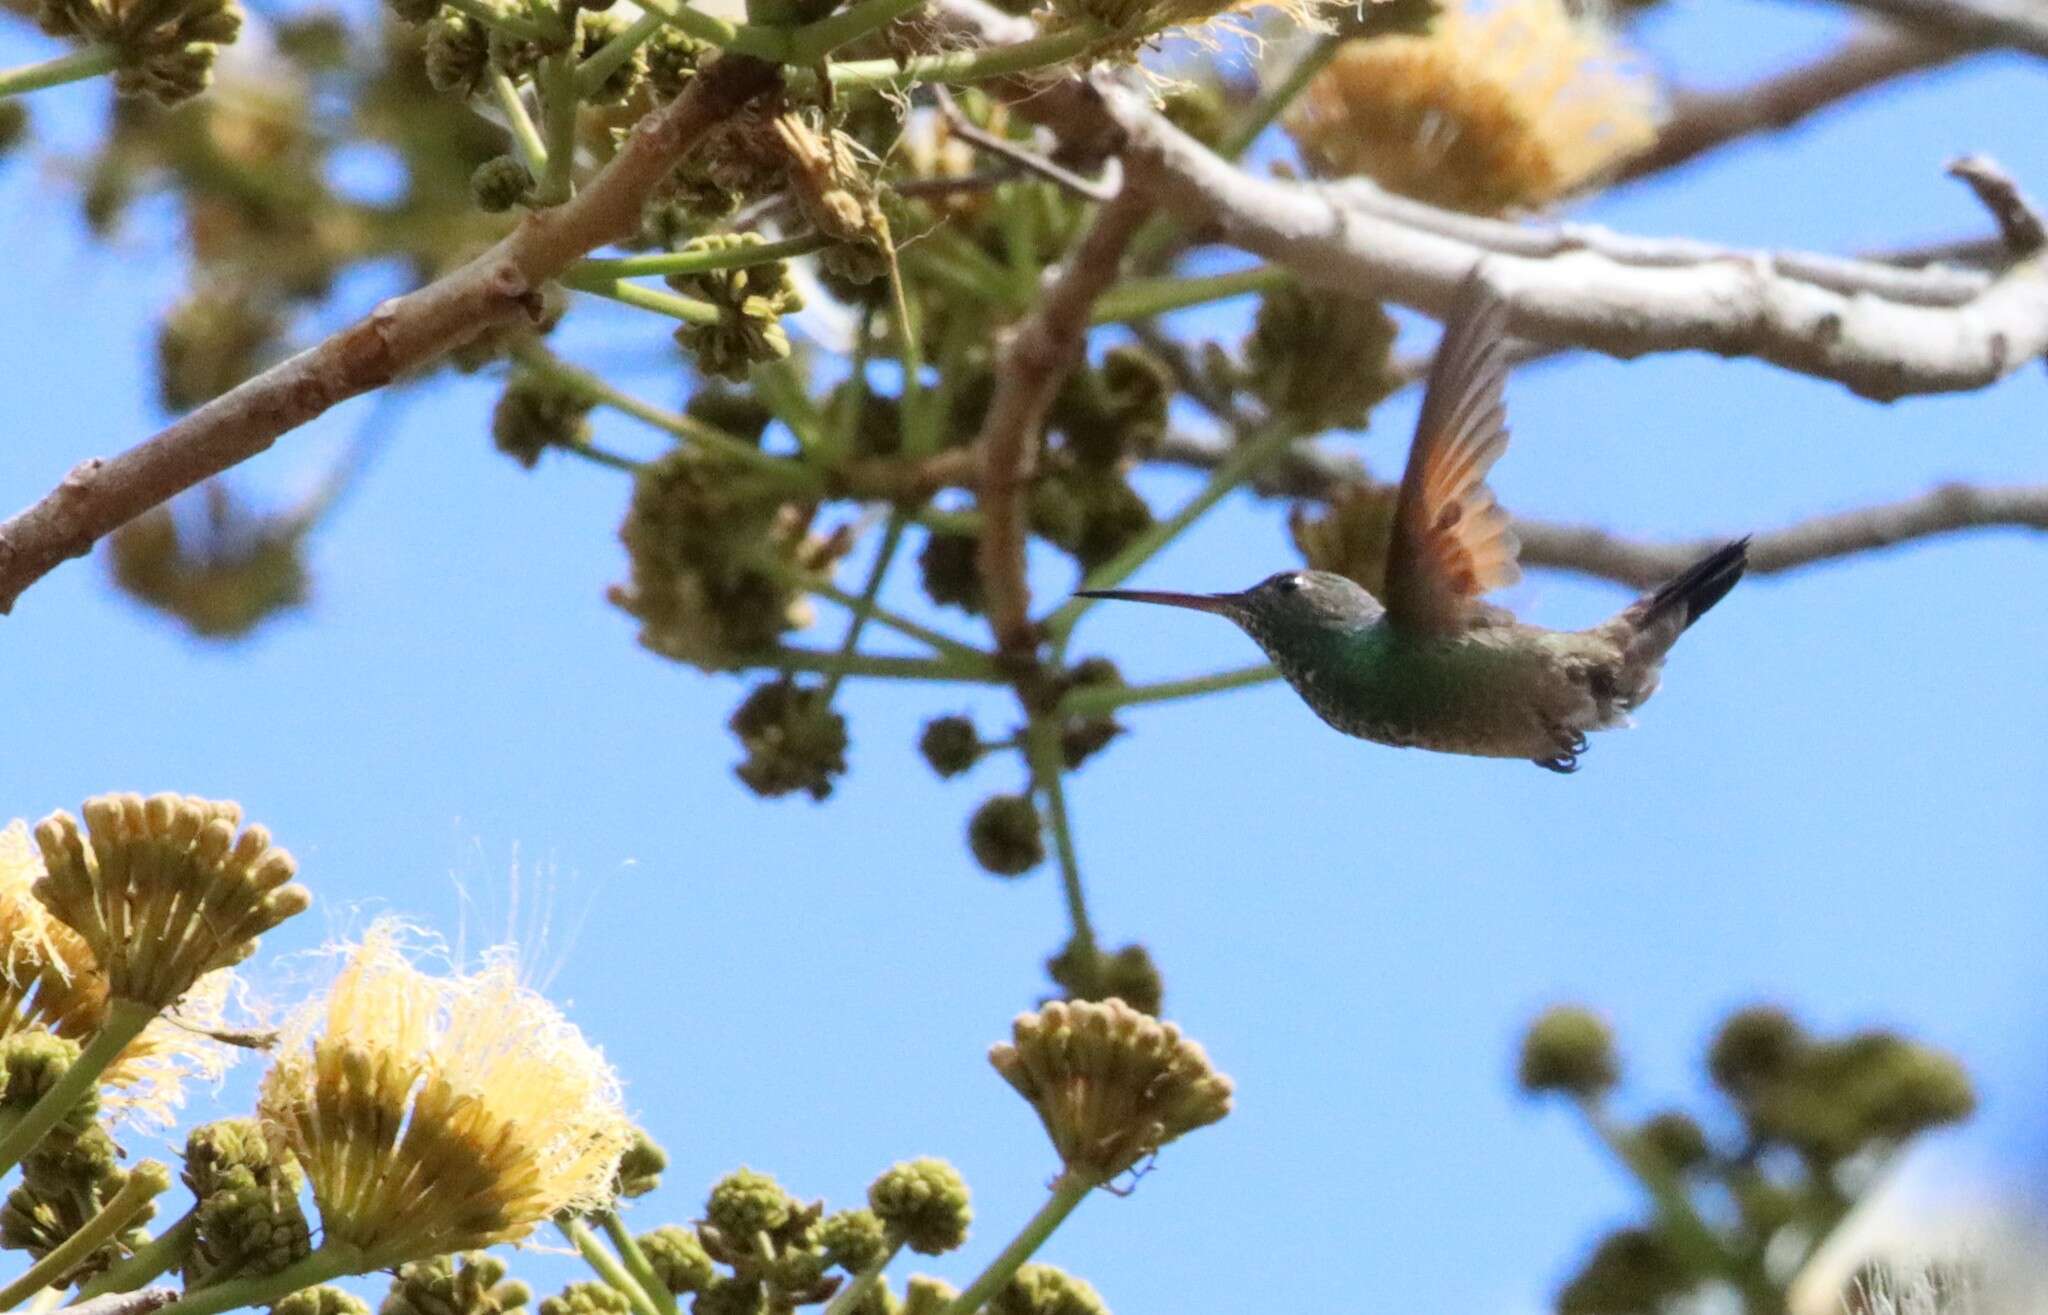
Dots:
pixel 1287 584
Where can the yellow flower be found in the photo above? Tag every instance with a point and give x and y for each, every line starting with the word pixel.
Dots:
pixel 441 1114
pixel 50 980
pixel 1504 104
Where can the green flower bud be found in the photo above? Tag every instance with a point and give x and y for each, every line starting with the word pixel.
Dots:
pixel 1348 536
pixel 1755 1046
pixel 1081 738
pixel 592 33
pixel 65 1183
pixel 31 1063
pixel 853 1239
pixel 1568 1049
pixel 321 1300
pixel 211 340
pixel 1006 835
pixel 586 1298
pixel 678 1259
pixel 672 59
pixel 641 1167
pixel 247 1218
pixel 950 745
pixel 925 1295
pixel 744 1203
pixel 951 575
pixel 793 738
pixel 735 411
pixel 751 301
pixel 472 1283
pixel 537 412
pixel 1043 1290
pixel 515 57
pixel 458 55
pixel 1083 972
pixel 1676 1139
pixel 1320 358
pixel 1631 1270
pixel 924 1203
pixel 500 183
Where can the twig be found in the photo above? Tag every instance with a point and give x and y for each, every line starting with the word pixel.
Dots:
pixel 1030 161
pixel 139 1302
pixel 2019 221
pixel 1033 359
pixel 2021 24
pixel 403 334
pixel 1705 121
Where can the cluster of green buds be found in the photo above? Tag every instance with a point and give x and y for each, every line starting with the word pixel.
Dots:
pixel 1817 1118
pixel 163 49
pixel 538 411
pixel 793 738
pixel 246 1215
pixel 1317 359
pixel 220 577
pixel 216 336
pixel 714 557
pixel 750 302
pixel 1348 535
pixel 1083 971
pixel 76 1211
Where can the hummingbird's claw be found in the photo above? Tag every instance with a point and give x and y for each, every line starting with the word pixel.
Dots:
pixel 1566 760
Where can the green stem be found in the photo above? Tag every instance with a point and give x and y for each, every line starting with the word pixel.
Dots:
pixel 687 309
pixel 1042 741
pixel 920 421
pixel 840 433
pixel 560 100
pixel 606 1265
pixel 1098 699
pixel 814 41
pixel 946 644
pixel 685 427
pixel 848 1298
pixel 130 1200
pixel 610 57
pixel 698 262
pixel 1068 1192
pixel 1275 102
pixel 1239 466
pixel 125 1021
pixel 596 455
pixel 788 658
pixel 510 24
pixel 152 1258
pixel 741 38
pixel 1704 1249
pixel 965 65
pixel 864 607
pixel 90 62
pixel 636 1262
pixel 1141 299
pixel 331 1261
pixel 524 134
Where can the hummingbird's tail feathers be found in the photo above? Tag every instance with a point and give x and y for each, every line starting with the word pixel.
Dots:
pixel 1693 594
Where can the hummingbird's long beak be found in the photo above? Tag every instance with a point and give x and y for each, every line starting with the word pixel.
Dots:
pixel 1217 603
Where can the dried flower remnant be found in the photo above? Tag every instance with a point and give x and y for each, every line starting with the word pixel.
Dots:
pixel 1503 104
pixel 436 1114
pixel 1110 1084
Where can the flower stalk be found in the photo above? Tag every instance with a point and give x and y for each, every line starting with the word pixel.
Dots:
pixel 143 1184
pixel 77 66
pixel 162 1252
pixel 609 1267
pixel 332 1261
pixel 1068 1191
pixel 635 1260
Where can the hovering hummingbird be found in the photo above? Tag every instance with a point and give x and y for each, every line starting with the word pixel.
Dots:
pixel 1433 667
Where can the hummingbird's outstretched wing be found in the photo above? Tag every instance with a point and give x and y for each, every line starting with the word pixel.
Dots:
pixel 1451 539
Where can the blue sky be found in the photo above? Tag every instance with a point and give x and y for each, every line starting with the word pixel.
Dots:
pixel 1835 803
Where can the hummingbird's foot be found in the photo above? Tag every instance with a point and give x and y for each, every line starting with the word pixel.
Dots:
pixel 1566 760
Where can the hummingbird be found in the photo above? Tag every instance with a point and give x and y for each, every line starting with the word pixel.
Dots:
pixel 1432 666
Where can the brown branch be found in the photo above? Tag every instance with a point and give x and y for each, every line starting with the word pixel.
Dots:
pixel 1705 121
pixel 2020 24
pixel 139 1302
pixel 1031 362
pixel 2019 221
pixel 401 335
pixel 1944 510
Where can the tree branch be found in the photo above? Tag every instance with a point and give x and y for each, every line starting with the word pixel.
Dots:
pixel 2020 24
pixel 1705 121
pixel 2019 220
pixel 1031 363
pixel 401 335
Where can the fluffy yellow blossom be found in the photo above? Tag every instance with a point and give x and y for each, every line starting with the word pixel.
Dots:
pixel 1503 104
pixel 437 1114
